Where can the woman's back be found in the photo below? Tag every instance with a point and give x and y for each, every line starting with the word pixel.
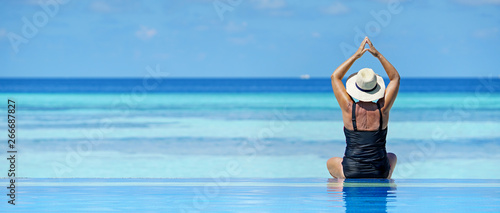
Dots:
pixel 365 155
pixel 367 116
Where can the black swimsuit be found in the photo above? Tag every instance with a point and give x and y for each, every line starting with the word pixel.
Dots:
pixel 365 155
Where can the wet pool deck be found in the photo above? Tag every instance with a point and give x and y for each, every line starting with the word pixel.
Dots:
pixel 253 195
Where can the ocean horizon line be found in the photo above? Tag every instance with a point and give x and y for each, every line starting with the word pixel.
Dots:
pixel 239 85
pixel 236 78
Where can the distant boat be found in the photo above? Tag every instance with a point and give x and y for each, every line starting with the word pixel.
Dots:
pixel 306 76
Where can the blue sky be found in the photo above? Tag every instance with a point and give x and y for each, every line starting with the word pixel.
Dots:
pixel 255 38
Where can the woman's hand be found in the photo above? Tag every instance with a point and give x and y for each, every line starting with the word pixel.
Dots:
pixel 361 49
pixel 372 49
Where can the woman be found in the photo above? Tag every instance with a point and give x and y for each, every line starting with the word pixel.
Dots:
pixel 365 122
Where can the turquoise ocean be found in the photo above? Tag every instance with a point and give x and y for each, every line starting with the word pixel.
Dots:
pixel 242 128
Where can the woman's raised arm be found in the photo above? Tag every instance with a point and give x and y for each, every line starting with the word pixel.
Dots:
pixel 393 87
pixel 337 85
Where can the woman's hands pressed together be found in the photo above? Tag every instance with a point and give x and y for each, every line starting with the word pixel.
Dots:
pixel 372 49
pixel 361 50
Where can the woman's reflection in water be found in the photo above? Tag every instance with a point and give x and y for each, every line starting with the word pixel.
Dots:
pixel 363 195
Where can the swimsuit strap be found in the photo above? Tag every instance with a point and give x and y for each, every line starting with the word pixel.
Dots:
pixel 354 116
pixel 380 112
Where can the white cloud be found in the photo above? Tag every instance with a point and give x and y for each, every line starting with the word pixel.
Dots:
pixel 116 6
pixel 3 33
pixel 202 28
pixel 487 33
pixel 336 9
pixel 100 6
pixel 479 2
pixel 445 51
pixel 31 2
pixel 235 27
pixel 269 4
pixel 161 56
pixel 282 13
pixel 201 56
pixel 391 1
pixel 241 40
pixel 145 33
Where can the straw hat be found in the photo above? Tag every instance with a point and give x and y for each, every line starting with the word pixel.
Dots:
pixel 365 85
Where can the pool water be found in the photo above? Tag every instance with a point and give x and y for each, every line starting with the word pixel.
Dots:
pixel 254 195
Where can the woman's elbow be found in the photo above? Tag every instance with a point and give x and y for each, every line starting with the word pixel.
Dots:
pixel 395 77
pixel 334 76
